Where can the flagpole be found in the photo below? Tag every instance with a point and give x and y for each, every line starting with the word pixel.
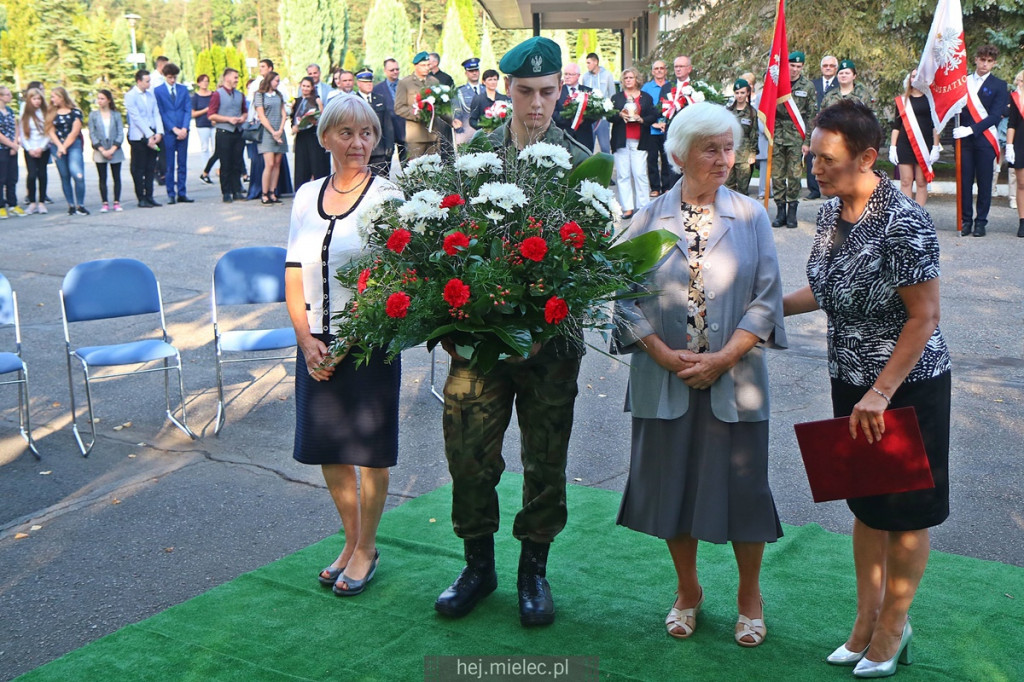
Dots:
pixel 768 173
pixel 959 184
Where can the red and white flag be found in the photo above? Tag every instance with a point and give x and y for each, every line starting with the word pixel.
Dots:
pixel 777 87
pixel 942 73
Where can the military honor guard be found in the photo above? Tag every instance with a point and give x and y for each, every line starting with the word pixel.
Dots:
pixel 543 389
pixel 380 158
pixel 746 152
pixel 464 100
pixel 792 143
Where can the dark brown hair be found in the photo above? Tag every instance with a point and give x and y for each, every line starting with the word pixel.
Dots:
pixel 854 122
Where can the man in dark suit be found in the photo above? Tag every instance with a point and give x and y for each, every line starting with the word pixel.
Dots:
pixel 386 90
pixel 434 59
pixel 175 105
pixel 979 146
pixel 380 158
pixel 827 81
pixel 570 88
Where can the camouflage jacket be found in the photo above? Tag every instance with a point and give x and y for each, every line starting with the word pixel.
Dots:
pixel 501 137
pixel 860 93
pixel 805 98
pixel 747 118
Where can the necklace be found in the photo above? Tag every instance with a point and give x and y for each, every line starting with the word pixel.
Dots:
pixel 362 178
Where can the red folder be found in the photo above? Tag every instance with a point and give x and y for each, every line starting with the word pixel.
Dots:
pixel 839 467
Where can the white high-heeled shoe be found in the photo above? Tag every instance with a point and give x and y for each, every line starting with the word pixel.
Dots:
pixel 843 656
pixel 866 668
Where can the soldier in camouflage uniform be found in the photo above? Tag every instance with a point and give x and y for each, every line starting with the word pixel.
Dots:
pixel 746 152
pixel 478 406
pixel 790 147
pixel 849 87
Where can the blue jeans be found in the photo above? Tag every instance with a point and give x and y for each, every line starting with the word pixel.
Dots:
pixel 71 167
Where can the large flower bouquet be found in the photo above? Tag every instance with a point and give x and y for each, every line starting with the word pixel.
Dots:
pixel 498 252
pixel 595 107
pixel 692 93
pixel 495 115
pixel 433 101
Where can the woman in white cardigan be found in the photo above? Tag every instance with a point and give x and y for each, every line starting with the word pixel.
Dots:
pixel 698 386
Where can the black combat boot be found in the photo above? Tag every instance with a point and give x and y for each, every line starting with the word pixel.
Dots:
pixel 979 227
pixel 780 217
pixel 1020 229
pixel 476 581
pixel 535 604
pixel 791 215
pixel 965 227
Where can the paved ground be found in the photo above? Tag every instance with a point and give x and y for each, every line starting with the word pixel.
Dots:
pixel 151 518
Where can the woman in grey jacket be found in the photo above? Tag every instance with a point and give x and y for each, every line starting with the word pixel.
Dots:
pixel 106 132
pixel 698 383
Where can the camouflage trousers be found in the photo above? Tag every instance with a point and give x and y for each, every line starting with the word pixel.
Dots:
pixel 739 176
pixel 787 169
pixel 477 411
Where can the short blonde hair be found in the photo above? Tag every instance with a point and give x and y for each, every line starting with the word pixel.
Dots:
pixel 347 109
pixel 698 122
pixel 636 74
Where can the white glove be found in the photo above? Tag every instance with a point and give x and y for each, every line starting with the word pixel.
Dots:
pixel 893 159
pixel 1010 154
pixel 961 132
pixel 933 156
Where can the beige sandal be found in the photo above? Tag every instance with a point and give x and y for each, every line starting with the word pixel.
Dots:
pixel 753 628
pixel 684 619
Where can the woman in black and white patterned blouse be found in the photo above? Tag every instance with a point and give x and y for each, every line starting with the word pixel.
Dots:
pixel 874 270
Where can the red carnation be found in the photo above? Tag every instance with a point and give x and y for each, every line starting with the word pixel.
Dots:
pixel 555 310
pixel 364 277
pixel 534 248
pixel 399 239
pixel 454 242
pixel 397 305
pixel 452 200
pixel 572 234
pixel 456 294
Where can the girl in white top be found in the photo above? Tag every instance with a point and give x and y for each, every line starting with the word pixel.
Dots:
pixel 36 144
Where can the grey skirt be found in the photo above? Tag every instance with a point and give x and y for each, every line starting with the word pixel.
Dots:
pixel 700 476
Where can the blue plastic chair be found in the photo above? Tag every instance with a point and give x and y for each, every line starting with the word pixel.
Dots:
pixel 112 288
pixel 248 276
pixel 11 363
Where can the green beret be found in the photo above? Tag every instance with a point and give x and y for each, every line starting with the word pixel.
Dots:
pixel 537 56
pixel 740 83
pixel 797 57
pixel 420 57
pixel 847 64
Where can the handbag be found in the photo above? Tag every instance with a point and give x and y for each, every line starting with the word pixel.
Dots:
pixel 252 131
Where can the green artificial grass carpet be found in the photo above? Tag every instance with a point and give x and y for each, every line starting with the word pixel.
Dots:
pixel 612 589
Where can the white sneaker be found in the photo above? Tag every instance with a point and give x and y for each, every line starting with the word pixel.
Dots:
pixel 31 209
pixel 42 207
pixel 1013 202
pixel 104 208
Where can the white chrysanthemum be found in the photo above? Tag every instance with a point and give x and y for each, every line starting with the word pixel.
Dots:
pixel 593 194
pixel 369 213
pixel 546 155
pixel 697 96
pixel 596 93
pixel 430 163
pixel 421 208
pixel 474 164
pixel 504 195
pixel 494 216
pixel 607 105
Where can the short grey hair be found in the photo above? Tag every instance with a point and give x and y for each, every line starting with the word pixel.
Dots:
pixel 347 109
pixel 314 66
pixel 698 122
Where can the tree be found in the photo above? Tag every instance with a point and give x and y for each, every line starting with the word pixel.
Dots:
pixel 487 58
pixel 454 48
pixel 387 34
pixel 20 51
pixel 468 17
pixel 178 49
pixel 312 32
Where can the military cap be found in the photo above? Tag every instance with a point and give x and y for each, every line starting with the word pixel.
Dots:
pixel 471 64
pixel 797 57
pixel 364 75
pixel 420 57
pixel 847 64
pixel 537 56
pixel 740 83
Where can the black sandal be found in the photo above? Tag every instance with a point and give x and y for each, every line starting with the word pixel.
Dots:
pixel 274 199
pixel 264 199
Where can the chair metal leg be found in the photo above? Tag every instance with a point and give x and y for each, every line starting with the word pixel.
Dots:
pixel 219 421
pixel 183 424
pixel 82 446
pixel 25 423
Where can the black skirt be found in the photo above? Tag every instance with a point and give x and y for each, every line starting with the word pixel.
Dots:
pixel 352 418
pixel 916 509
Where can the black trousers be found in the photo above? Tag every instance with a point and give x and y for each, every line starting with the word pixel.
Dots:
pixel 115 173
pixel 311 160
pixel 977 159
pixel 35 171
pixel 229 149
pixel 143 168
pixel 659 170
pixel 8 177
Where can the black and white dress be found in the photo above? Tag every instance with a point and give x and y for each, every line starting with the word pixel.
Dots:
pixel 352 418
pixel 854 271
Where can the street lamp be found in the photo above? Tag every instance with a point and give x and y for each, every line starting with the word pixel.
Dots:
pixel 135 57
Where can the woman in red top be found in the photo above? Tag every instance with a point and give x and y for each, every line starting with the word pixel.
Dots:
pixel 631 141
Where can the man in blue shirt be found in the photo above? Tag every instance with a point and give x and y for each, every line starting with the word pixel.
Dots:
pixel 659 171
